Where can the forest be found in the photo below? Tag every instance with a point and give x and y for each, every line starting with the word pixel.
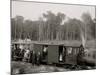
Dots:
pixel 54 27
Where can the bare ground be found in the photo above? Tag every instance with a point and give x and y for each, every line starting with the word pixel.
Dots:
pixel 18 67
pixel 26 68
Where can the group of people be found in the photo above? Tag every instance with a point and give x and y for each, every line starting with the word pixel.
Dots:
pixel 25 55
pixel 19 53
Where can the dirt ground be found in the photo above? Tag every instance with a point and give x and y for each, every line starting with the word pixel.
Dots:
pixel 26 68
pixel 18 67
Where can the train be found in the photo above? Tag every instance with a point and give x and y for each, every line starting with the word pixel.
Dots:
pixel 62 54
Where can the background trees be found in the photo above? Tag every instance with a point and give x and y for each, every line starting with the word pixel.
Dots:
pixel 89 25
pixel 52 27
pixel 53 24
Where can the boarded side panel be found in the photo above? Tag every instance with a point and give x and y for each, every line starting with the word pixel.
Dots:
pixel 52 54
pixel 37 48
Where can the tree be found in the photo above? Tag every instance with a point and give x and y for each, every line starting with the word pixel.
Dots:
pixel 13 29
pixel 72 29
pixel 19 26
pixel 89 26
pixel 53 23
pixel 50 27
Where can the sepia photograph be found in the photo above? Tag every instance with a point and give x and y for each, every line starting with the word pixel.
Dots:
pixel 52 37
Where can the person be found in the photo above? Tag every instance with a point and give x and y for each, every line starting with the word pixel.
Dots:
pixel 81 51
pixel 38 58
pixel 31 54
pixel 12 52
pixel 33 58
pixel 60 54
pixel 61 57
pixel 26 55
pixel 22 54
pixel 80 55
pixel 64 54
pixel 17 53
pixel 45 50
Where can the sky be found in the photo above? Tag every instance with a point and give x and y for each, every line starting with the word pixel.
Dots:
pixel 34 10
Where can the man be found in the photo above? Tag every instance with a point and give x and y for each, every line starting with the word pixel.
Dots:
pixel 31 54
pixel 80 55
pixel 38 58
pixel 33 57
pixel 27 55
pixel 81 51
pixel 45 50
pixel 21 53
pixel 12 52
pixel 62 54
pixel 17 53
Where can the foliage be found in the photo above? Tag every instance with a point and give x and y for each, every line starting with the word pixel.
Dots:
pixel 52 27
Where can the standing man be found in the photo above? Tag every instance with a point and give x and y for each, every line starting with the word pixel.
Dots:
pixel 80 55
pixel 33 58
pixel 27 55
pixel 38 58
pixel 31 55
pixel 21 52
pixel 45 52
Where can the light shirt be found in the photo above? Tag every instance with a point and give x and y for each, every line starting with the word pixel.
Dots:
pixel 45 49
pixel 26 53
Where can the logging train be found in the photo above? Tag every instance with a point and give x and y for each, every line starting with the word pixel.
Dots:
pixel 43 53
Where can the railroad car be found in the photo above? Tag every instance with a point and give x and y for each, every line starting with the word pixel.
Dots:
pixel 58 53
